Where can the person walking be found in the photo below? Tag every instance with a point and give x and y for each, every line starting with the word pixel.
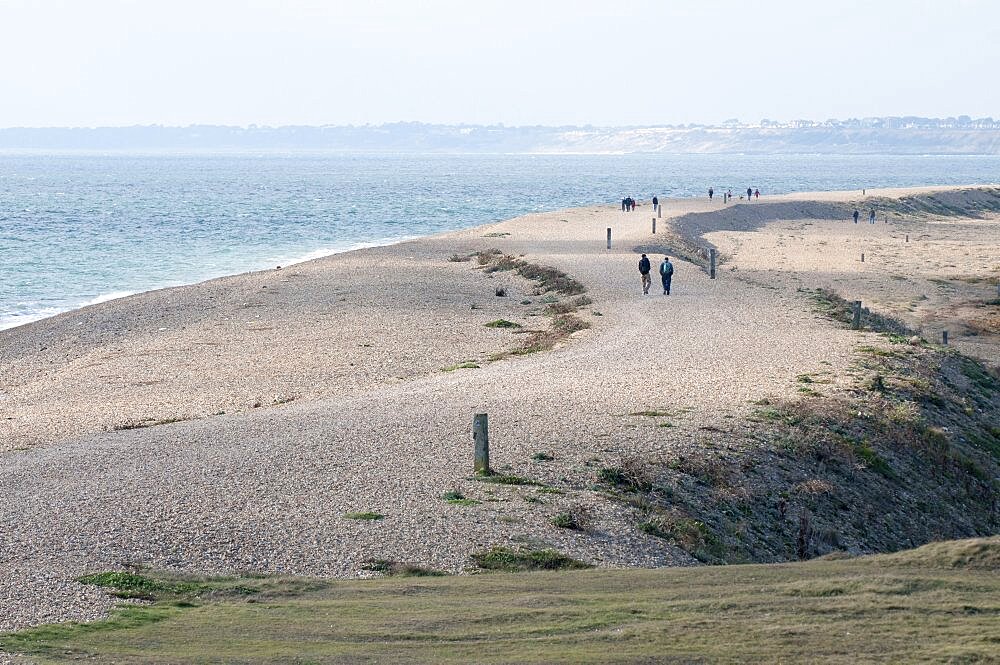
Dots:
pixel 623 204
pixel 711 192
pixel 644 269
pixel 749 193
pixel 656 203
pixel 666 274
pixel 871 216
pixel 856 215
pixel 756 193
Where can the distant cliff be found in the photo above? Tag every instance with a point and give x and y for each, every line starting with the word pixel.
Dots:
pixel 872 136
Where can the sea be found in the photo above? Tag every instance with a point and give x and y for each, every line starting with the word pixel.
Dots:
pixel 78 229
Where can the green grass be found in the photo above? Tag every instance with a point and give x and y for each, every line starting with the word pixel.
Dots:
pixel 507 479
pixel 456 498
pixel 566 521
pixel 509 560
pixel 468 364
pixel 387 567
pixel 364 516
pixel 502 323
pixel 937 603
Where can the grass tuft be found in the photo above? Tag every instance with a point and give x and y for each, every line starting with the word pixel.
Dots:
pixel 364 516
pixel 510 560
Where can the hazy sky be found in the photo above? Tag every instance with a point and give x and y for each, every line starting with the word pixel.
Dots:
pixel 612 62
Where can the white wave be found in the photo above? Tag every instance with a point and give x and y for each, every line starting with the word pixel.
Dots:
pixel 105 297
pixel 15 319
pixel 329 251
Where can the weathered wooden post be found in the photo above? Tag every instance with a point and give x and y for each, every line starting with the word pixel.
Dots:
pixel 659 210
pixel 481 441
pixel 907 237
pixel 711 263
pixel 944 337
pixel 856 321
pixel 862 257
pixel 654 226
pixel 609 237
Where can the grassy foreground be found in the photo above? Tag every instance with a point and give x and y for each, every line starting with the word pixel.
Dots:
pixel 940 602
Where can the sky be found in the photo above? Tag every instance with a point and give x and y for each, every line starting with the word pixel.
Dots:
pixel 549 62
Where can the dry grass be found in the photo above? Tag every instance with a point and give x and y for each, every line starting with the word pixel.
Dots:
pixel 937 603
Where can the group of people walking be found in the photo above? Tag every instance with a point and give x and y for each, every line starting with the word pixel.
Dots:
pixel 666 274
pixel 628 204
pixel 728 196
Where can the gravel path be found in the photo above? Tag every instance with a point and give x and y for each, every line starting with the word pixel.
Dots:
pixel 266 489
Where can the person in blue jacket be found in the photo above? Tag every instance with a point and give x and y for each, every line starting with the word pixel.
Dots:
pixel 666 274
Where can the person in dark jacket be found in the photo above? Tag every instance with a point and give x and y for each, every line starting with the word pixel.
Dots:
pixel 644 269
pixel 666 274
pixel 749 193
pixel 856 215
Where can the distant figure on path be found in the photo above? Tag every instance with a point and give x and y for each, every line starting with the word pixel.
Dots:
pixel 749 193
pixel 623 203
pixel 856 215
pixel 711 192
pixel 756 193
pixel 656 202
pixel 666 274
pixel 644 269
pixel 730 194
pixel 871 216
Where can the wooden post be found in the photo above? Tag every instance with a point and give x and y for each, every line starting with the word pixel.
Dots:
pixel 609 237
pixel 654 226
pixel 907 237
pixel 862 257
pixel 481 441
pixel 659 210
pixel 856 321
pixel 944 337
pixel 711 263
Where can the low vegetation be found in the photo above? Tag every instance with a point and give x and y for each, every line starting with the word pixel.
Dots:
pixel 507 479
pixel 394 568
pixel 936 603
pixel 456 498
pixel 549 283
pixel 364 516
pixel 908 454
pixel 468 364
pixel 509 560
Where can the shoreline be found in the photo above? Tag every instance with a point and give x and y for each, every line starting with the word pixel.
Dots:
pixel 7 323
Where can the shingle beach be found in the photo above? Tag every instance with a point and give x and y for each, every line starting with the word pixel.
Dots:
pixel 231 425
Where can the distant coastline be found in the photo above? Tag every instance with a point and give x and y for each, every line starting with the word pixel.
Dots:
pixel 890 136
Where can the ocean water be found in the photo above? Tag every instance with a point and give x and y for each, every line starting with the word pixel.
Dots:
pixel 77 229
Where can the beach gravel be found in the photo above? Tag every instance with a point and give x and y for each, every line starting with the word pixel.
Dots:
pixel 327 397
